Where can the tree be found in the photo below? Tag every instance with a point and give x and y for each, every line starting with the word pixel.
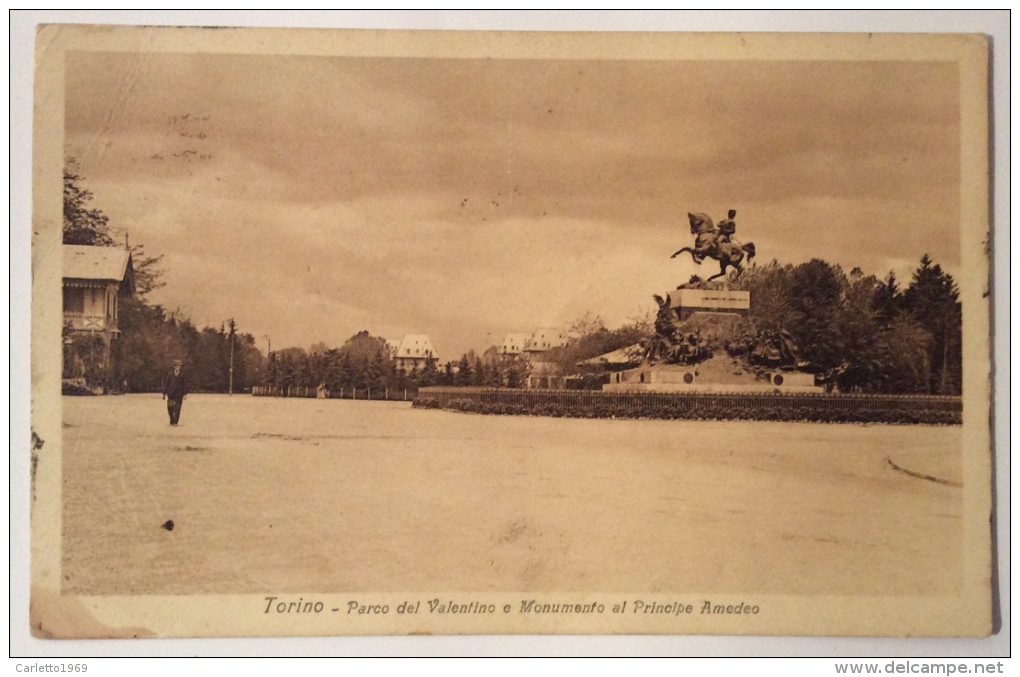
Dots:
pixel 516 369
pixel 430 373
pixel 148 271
pixel 888 299
pixel 815 293
pixel 248 363
pixel 589 323
pixel 770 287
pixel 209 362
pixel 148 334
pixel 400 378
pixel 856 323
pixel 479 374
pixel 345 377
pixel 149 338
pixel 492 361
pixel 905 357
pixel 368 357
pixel 83 225
pixel 864 332
pixel 462 377
pixel 932 299
pixel 590 338
pixel 375 375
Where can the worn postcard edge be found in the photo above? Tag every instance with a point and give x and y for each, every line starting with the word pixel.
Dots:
pixel 55 615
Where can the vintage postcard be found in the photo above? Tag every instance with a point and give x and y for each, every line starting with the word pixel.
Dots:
pixel 383 332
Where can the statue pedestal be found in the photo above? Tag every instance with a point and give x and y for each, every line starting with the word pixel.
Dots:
pixel 715 316
pixel 716 375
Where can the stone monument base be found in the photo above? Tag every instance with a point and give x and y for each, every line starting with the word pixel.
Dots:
pixel 697 320
pixel 711 376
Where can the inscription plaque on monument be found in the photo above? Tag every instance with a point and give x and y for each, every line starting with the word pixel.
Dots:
pixel 714 299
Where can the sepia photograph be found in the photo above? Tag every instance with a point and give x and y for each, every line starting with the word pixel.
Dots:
pixel 394 333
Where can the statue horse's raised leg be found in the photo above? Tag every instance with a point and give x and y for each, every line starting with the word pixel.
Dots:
pixel 721 273
pixel 694 255
pixel 733 260
pixel 728 262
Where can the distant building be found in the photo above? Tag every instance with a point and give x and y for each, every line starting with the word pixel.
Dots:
pixel 514 344
pixel 544 339
pixel 95 280
pixel 545 375
pixel 533 347
pixel 412 350
pixel 542 373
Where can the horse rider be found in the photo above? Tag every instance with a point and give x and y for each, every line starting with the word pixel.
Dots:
pixel 716 241
pixel 726 228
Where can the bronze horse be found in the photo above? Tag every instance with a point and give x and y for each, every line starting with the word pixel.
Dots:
pixel 712 244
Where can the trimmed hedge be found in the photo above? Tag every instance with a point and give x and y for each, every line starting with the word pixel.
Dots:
pixel 775 410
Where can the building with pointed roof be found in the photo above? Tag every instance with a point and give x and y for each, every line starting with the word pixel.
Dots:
pixel 544 339
pixel 414 350
pixel 95 281
pixel 514 344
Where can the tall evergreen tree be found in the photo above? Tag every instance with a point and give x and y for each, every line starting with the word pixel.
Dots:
pixel 815 295
pixel 932 299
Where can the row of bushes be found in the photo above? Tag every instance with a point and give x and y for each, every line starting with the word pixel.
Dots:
pixel 777 411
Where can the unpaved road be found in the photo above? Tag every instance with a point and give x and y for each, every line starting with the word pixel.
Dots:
pixel 278 495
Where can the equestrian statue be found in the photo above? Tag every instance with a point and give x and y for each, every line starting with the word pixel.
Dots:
pixel 717 242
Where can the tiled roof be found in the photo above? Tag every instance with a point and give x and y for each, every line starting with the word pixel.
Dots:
pixel 96 263
pixel 514 343
pixel 415 346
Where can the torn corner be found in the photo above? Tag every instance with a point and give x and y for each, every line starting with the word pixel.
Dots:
pixel 53 616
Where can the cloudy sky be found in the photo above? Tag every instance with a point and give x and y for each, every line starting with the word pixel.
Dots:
pixel 312 197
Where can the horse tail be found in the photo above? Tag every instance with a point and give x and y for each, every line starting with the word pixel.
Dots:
pixel 749 248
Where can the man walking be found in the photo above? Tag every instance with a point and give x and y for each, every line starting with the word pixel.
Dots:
pixel 175 387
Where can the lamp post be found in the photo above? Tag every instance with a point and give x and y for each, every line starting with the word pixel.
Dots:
pixel 230 386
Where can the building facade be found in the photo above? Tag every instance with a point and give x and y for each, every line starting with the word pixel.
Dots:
pixel 543 373
pixel 544 339
pixel 514 344
pixel 95 281
pixel 414 350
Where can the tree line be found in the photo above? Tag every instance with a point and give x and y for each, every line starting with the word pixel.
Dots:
pixel 365 362
pixel 860 332
pixel 151 335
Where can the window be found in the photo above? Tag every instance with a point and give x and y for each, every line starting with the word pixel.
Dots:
pixel 74 300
